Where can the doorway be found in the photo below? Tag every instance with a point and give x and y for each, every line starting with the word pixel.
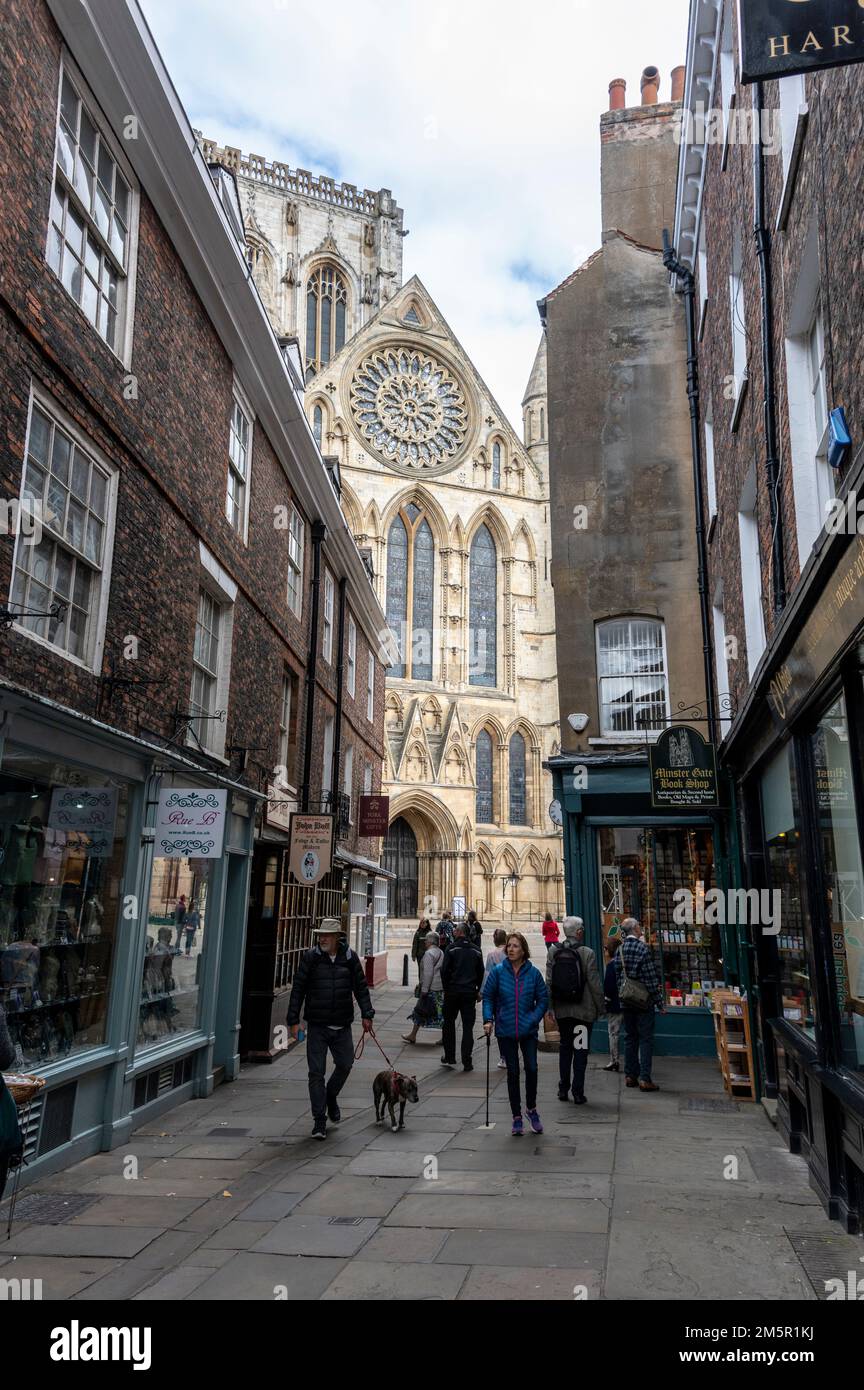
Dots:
pixel 400 858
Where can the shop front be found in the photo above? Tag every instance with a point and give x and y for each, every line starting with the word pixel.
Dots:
pixel 118 950
pixel 798 755
pixel 623 858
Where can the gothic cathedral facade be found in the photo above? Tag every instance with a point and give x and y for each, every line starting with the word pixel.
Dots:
pixel 452 509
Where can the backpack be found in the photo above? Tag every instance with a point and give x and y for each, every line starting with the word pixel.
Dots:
pixel 567 980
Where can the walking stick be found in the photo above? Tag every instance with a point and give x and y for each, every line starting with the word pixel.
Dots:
pixel 488 1048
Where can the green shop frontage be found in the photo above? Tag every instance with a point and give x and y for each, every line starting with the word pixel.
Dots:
pixel 624 857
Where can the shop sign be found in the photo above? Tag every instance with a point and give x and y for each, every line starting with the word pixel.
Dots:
pixel 190 823
pixel 310 855
pixel 87 815
pixel 374 818
pixel 683 770
pixel 835 618
pixel 279 807
pixel 781 37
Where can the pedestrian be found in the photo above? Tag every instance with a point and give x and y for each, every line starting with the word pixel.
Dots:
pixel 577 1002
pixel 418 943
pixel 10 1135
pixel 461 976
pixel 551 931
pixel 179 915
pixel 635 965
pixel 428 1012
pixel 445 930
pixel 329 978
pixel 515 997
pixel 474 930
pixel 191 923
pixel 613 1004
pixel 495 957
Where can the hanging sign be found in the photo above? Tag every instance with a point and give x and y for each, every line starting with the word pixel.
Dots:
pixel 683 770
pixel 279 806
pixel 374 815
pixel 311 852
pixel 781 37
pixel 87 815
pixel 190 823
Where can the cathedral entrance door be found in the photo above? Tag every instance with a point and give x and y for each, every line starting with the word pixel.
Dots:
pixel 400 857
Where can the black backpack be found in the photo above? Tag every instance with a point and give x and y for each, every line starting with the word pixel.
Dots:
pixel 568 975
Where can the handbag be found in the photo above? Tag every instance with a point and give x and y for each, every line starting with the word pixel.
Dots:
pixel 426 1007
pixel 632 993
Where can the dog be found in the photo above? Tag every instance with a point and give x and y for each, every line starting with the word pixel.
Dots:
pixel 390 1088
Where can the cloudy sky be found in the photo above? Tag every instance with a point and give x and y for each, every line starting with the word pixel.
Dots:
pixel 481 116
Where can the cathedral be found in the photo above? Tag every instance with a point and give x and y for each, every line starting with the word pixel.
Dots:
pixel 451 508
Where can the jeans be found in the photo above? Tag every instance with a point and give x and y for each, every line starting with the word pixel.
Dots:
pixel 573 1060
pixel 638 1042
pixel 454 1006
pixel 510 1052
pixel 614 1036
pixel 341 1044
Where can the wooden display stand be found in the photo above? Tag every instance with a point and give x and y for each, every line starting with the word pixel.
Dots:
pixel 734 1044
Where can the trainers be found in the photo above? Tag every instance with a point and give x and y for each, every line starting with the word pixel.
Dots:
pixel 334 1114
pixel 502 1065
pixel 320 1130
pixel 612 1066
pixel 518 1128
pixel 535 1122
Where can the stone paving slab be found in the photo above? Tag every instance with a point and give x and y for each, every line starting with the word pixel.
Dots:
pixel 353 1196
pixel 495 1285
pixel 62 1278
pixel 524 1249
pixel 497 1183
pixel 93 1241
pixel 403 1245
pixel 175 1285
pixel 250 1277
pixel 237 1235
pixel 674 1260
pixel 538 1214
pixel 137 1211
pixel 379 1280
pixel 314 1235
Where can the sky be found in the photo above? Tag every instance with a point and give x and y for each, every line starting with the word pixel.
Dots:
pixel 481 117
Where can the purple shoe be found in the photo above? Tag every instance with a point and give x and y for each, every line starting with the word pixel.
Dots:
pixel 518 1128
pixel 535 1122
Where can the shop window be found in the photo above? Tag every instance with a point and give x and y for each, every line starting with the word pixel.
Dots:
pixel 781 820
pixel 641 872
pixel 62 849
pixel 842 872
pixel 177 915
pixel 631 663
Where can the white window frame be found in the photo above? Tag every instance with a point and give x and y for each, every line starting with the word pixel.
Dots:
pixel 793 114
pixel 95 644
pixel 215 581
pixel 286 710
pixel 348 781
pixel 327 765
pixel 352 657
pixel 814 481
pixel 127 280
pixel 702 279
pixel 751 572
pixel 296 556
pixel 721 661
pixel 370 688
pixel 240 404
pixel 629 735
pixel 710 466
pixel 329 606
pixel 737 323
pixel 727 79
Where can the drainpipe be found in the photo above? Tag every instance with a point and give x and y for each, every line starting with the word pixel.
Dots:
pixel 337 729
pixel 763 252
pixel 319 532
pixel 674 266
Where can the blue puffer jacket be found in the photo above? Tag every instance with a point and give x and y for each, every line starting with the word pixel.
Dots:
pixel 516 1002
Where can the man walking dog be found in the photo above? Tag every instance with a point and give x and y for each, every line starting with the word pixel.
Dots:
pixel 328 980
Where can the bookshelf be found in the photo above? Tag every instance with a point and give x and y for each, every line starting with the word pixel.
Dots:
pixel 732 1035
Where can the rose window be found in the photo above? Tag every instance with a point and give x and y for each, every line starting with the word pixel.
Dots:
pixel 409 408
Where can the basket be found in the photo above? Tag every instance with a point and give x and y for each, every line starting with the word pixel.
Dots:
pixel 23 1087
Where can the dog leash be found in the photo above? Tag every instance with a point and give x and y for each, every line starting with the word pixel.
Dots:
pixel 358 1051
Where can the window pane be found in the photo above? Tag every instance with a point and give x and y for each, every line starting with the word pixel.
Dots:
pixel 87 139
pixel 55 249
pixel 63 574
pixel 69 104
pixel 42 561
pixel 518 811
pixel 311 326
pixel 72 276
pixel 484 778
pixel 782 820
pixel 102 211
pixel 75 525
pixel 77 622
pixel 90 300
pixel 40 434
pixel 340 325
pixel 93 545
pixel 397 588
pixel 60 456
pixel 483 605
pixel 55 514
pixel 98 492
pixel 106 169
pixel 81 592
pixel 121 198
pixel 421 621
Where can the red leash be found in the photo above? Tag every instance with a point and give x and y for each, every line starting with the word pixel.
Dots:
pixel 358 1051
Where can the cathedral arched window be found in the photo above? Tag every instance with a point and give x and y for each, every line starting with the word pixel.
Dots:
pixel 483 778
pixel 326 312
pixel 483 609
pixel 318 424
pixel 410 592
pixel 496 464
pixel 542 423
pixel 518 798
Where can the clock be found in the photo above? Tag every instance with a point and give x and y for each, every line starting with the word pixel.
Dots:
pixel 556 815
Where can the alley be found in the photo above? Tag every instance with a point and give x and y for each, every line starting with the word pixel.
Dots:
pixel 631 1197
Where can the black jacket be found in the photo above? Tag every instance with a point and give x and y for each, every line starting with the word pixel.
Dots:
pixel 328 988
pixel 462 968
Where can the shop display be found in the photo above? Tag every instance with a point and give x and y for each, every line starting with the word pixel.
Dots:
pixel 176 928
pixel 731 1013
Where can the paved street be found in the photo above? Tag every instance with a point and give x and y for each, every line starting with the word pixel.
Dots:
pixel 624 1198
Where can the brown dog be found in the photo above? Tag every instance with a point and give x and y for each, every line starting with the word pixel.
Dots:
pixel 390 1088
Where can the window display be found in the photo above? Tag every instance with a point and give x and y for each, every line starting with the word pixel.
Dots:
pixel 174 948
pixel 781 818
pixel 641 872
pixel 62 845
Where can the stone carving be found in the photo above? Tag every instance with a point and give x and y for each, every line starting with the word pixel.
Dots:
pixel 368 294
pixel 290 276
pixel 410 409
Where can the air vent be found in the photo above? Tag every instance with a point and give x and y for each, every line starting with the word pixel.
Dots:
pixel 30 1119
pixel 57 1118
pixel 160 1080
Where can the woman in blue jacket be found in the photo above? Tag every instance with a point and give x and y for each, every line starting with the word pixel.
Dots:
pixel 515 998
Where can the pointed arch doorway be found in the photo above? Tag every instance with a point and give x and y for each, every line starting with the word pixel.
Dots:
pixel 400 857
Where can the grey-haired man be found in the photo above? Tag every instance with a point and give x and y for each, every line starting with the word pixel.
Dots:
pixel 635 957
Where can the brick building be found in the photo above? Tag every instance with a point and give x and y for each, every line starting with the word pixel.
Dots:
pixel 773 230
pixel 184 606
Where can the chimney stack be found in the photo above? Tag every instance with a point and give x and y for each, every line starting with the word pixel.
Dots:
pixel 617 89
pixel 678 75
pixel 649 82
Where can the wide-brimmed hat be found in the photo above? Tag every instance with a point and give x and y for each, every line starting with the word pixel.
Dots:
pixel 328 925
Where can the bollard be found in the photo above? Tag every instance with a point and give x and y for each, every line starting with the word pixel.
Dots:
pixel 404 970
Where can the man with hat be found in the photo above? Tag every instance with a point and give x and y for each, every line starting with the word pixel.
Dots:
pixel 329 978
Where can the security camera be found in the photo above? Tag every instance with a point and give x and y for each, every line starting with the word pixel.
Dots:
pixel 577 722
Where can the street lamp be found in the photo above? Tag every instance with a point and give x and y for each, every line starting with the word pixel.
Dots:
pixel 513 880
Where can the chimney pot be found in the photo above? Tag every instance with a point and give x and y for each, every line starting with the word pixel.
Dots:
pixel 678 75
pixel 648 84
pixel 617 99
